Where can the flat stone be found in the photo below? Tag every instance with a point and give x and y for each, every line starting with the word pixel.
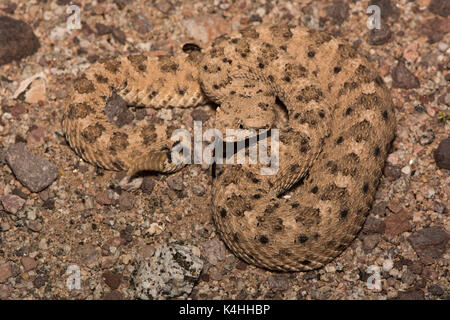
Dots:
pixel 34 172
pixel 403 78
pixel 429 242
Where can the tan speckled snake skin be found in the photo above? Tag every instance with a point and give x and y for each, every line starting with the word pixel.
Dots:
pixel 333 111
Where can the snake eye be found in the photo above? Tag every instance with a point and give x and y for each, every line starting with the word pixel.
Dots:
pixel 189 47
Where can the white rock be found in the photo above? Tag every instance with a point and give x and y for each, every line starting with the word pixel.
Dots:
pixel 388 265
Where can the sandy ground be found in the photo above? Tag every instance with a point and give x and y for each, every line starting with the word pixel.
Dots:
pixel 74 221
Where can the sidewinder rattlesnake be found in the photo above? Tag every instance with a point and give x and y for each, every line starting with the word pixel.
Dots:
pixel 333 111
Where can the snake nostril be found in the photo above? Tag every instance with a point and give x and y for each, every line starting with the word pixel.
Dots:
pixel 282 108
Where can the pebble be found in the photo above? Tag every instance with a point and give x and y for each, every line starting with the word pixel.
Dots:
pixel 442 46
pixel 406 170
pixel 147 185
pixel 440 7
pixel 12 203
pixel 429 242
pixel 89 255
pixel 127 183
pixel 113 295
pixel 392 172
pixel 338 11
pixel 442 154
pixel 397 223
pixel 426 136
pixel 141 24
pixel 112 279
pixel 34 172
pixel 198 190
pixel 117 111
pixel 388 264
pixel 170 273
pixel 39 281
pixel 374 225
pixel 436 290
pixel 5 272
pixel 439 207
pixel 278 282
pixel 17 40
pixel 403 78
pixel 5 290
pixel 412 294
pixel 204 28
pixel 214 251
pixel 4 226
pixel 370 241
pixel 380 36
pixel 126 201
pixel 241 265
pixel 416 267
pixel 28 264
pixel 34 226
pixel 175 183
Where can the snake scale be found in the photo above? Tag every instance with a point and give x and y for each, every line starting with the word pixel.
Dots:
pixel 334 115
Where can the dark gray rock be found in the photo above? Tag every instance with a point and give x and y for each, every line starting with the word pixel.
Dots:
pixel 403 78
pixel 34 172
pixel 17 40
pixel 442 154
